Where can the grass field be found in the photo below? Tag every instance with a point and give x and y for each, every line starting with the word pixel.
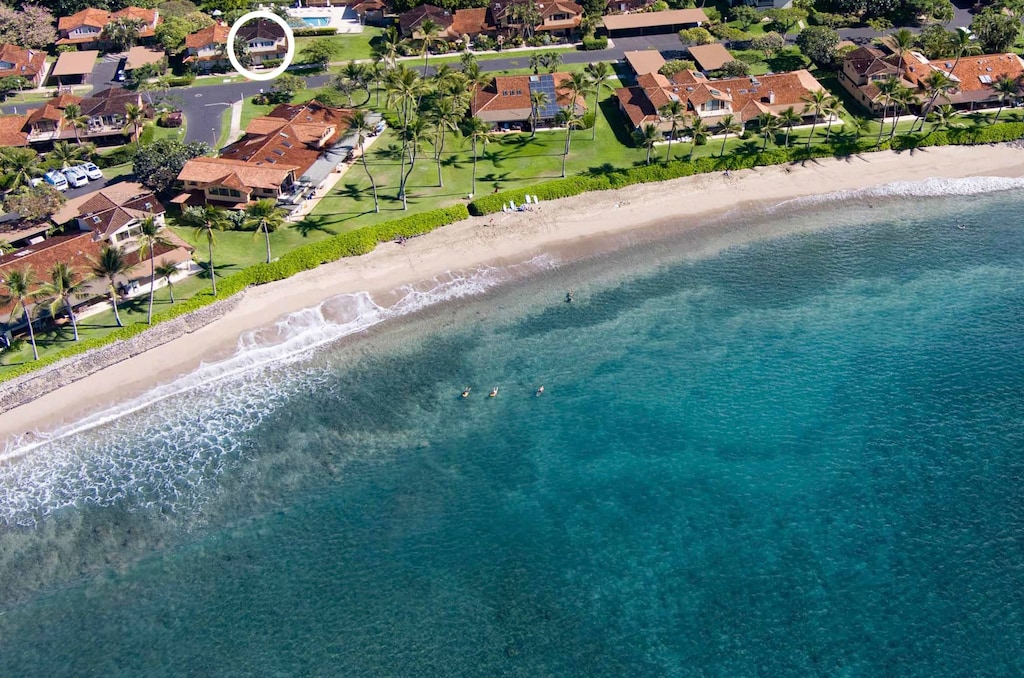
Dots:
pixel 349 46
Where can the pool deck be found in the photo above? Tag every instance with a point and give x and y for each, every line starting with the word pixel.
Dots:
pixel 341 19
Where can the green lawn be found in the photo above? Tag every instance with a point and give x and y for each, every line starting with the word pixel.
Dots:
pixel 350 46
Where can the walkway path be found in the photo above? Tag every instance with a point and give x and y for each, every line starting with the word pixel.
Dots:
pixel 236 121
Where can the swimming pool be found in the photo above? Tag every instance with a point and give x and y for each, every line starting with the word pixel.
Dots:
pixel 316 21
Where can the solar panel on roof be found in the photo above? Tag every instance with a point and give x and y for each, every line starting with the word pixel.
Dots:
pixel 546 84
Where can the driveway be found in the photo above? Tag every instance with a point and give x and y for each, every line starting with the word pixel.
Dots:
pixel 103 73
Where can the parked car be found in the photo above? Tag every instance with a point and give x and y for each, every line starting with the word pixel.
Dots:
pixel 91 170
pixel 120 76
pixel 76 177
pixel 56 179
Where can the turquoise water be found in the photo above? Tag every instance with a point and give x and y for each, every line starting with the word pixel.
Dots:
pixel 802 456
pixel 316 21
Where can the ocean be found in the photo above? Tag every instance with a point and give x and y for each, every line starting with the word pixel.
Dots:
pixel 788 443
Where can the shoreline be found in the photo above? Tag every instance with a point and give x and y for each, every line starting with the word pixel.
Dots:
pixel 577 227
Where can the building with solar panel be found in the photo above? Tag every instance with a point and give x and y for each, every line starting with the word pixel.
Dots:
pixel 506 102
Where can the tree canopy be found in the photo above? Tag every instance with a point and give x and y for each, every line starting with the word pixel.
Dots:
pixel 157 165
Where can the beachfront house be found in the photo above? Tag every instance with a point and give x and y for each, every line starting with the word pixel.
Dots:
pixel 505 102
pixel 865 69
pixel 283 155
pixel 113 214
pixel 745 98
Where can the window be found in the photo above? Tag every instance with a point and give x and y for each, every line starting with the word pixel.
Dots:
pixel 95 220
pixel 149 207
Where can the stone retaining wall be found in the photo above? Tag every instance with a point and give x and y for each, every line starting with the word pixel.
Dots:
pixel 28 387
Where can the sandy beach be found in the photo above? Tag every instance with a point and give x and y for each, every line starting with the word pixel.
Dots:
pixel 566 224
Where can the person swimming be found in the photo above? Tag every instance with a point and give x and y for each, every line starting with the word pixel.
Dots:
pixel 569 296
pixel 494 393
pixel 465 394
pixel 540 391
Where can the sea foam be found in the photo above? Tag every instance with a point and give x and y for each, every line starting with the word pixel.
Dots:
pixel 160 448
pixel 933 187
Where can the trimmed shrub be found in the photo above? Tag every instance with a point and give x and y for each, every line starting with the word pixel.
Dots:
pixel 118 156
pixel 591 44
pixel 306 32
pixel 182 80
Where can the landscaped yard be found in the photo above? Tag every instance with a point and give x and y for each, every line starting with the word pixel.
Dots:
pixel 350 46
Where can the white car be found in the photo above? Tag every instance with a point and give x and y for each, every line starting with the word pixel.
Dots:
pixel 91 170
pixel 56 179
pixel 76 177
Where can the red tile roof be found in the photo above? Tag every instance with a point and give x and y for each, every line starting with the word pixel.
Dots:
pixel 73 250
pixel 511 94
pixel 471 22
pixel 27 63
pixel 217 34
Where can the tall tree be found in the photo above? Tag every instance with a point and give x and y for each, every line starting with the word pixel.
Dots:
pixel 206 220
pixel 571 121
pixel 123 33
pixel 963 45
pixel 166 270
pixel 264 215
pixel 20 166
pixel 538 100
pixel 578 86
pixel 788 118
pixel 445 116
pixel 815 102
pixel 107 266
pixel 412 136
pixel 359 124
pixel 598 72
pixel 902 99
pixel 728 125
pixel 674 113
pixel 886 92
pixel 428 31
pixel 901 41
pixel 65 284
pixel 20 290
pixel 479 133
pixel 832 110
pixel 149 238
pixel 135 117
pixel 769 125
pixel 937 84
pixel 647 138
pixel 64 153
pixel 943 118
pixel 405 85
pixel 73 117
pixel 1006 89
pixel 698 133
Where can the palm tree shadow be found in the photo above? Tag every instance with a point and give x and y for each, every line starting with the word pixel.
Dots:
pixel 312 224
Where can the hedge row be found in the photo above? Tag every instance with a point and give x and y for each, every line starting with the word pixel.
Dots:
pixel 350 244
pixel 306 32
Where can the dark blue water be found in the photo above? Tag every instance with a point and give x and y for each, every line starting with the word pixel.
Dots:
pixel 800 456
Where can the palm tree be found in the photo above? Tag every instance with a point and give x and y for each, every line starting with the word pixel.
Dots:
pixel 571 122
pixel 901 100
pixel 832 110
pixel 578 85
pixel 165 270
pixel 551 61
pixel 65 153
pixel 816 103
pixel 149 238
pixel 769 125
pixel 963 45
pixel 388 49
pixel 901 42
pixel 19 290
pixel 647 138
pixel 110 264
pixel 135 117
pixel 728 125
pixel 64 284
pixel 886 92
pixel 698 133
pixel 673 113
pixel 536 62
pixel 264 215
pixel 428 31
pixel 407 86
pixel 20 166
pixel 206 220
pixel 479 132
pixel 598 72
pixel 361 126
pixel 1005 88
pixel 538 100
pixel 73 116
pixel 937 84
pixel 412 134
pixel 788 118
pixel 445 116
pixel 942 118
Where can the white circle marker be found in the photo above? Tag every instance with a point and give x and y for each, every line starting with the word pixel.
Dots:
pixel 288 34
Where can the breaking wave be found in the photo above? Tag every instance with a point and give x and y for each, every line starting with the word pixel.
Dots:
pixel 934 187
pixel 164 458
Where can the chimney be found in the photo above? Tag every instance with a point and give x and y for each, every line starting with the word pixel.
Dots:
pixel 771 96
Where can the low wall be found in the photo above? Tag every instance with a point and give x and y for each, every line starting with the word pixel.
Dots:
pixel 21 390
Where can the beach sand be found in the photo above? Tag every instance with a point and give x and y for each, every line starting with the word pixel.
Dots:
pixel 568 225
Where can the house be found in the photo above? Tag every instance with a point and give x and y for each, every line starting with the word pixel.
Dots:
pixel 104 122
pixel 74 68
pixel 558 17
pixel 264 40
pixel 451 25
pixel 709 57
pixel 652 23
pixel 745 98
pixel 113 213
pixel 865 70
pixel 206 49
pixel 84 29
pixel 18 232
pixel 280 155
pixel 506 101
pixel 625 6
pixel 645 61
pixel 23 63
